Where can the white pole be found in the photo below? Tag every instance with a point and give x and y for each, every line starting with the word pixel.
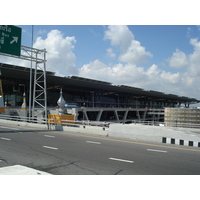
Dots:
pixel 30 88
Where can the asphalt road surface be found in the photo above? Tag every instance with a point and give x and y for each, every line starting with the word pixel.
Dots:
pixel 63 153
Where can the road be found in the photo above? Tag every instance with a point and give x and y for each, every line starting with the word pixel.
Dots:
pixel 63 153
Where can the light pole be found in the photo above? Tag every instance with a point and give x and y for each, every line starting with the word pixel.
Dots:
pixel 30 82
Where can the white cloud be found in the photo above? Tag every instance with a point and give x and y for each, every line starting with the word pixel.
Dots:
pixel 60 56
pixel 178 60
pixel 61 59
pixel 95 69
pixel 127 71
pixel 117 74
pixel 127 74
pixel 187 82
pixel 131 50
pixel 170 78
pixel 194 58
pixel 119 36
pixel 110 53
pixel 135 53
pixel 153 71
pixel 191 62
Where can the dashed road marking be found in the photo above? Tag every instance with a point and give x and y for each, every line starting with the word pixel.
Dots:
pixel 9 128
pixel 51 136
pixel 93 142
pixel 132 142
pixel 5 138
pixel 157 150
pixel 121 160
pixel 50 147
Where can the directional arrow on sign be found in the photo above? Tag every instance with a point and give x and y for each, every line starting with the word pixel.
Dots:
pixel 15 39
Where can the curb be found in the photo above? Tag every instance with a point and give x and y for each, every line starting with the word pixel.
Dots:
pixel 180 142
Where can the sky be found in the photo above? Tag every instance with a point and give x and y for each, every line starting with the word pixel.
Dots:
pixel 164 58
pixel 154 45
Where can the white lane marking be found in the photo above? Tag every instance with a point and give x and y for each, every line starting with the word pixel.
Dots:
pixel 5 138
pixel 50 147
pixel 117 159
pixel 51 136
pixel 157 150
pixel 9 128
pixel 93 142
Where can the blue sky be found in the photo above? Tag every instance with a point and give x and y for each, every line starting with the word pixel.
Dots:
pixel 160 40
pixel 153 57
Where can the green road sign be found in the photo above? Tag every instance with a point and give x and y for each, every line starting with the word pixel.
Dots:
pixel 10 40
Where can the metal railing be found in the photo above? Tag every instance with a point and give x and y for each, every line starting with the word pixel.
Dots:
pixel 168 124
pixel 73 123
pixel 23 119
pixel 50 121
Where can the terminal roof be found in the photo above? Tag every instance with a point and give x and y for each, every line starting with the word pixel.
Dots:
pixel 17 72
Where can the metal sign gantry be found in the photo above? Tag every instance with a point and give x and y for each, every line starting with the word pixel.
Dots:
pixel 39 103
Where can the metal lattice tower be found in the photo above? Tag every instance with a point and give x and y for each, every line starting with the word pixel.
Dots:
pixel 39 89
pixel 39 103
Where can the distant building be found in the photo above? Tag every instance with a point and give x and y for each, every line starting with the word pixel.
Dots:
pixel 178 116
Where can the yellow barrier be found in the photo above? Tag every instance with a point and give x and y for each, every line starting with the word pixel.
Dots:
pixel 2 109
pixel 60 119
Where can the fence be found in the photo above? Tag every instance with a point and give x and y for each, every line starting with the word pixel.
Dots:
pixel 51 121
pixel 73 123
pixel 169 124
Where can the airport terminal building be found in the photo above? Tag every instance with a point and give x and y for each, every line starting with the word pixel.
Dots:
pixel 83 91
pixel 93 100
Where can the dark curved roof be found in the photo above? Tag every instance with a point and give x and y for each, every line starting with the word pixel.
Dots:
pixel 17 72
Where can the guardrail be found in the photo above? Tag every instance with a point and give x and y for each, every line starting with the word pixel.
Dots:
pixel 51 121
pixel 22 119
pixel 73 123
pixel 168 124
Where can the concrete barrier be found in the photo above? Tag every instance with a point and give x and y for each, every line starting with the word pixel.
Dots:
pixel 155 134
pixel 136 132
pixel 85 129
pixel 96 130
pixel 88 130
pixel 168 135
pixel 24 124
